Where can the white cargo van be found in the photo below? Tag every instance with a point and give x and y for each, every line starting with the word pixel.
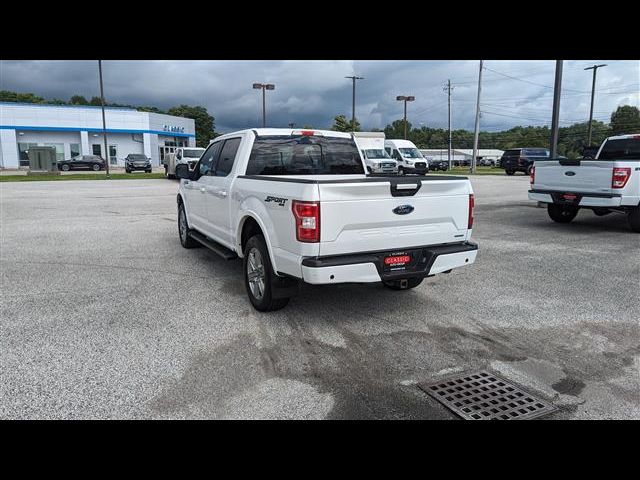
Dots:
pixel 376 158
pixel 408 157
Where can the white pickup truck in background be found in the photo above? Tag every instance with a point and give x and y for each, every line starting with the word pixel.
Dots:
pixel 608 183
pixel 297 206
pixel 188 155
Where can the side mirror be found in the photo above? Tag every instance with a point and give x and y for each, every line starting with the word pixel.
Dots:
pixel 182 171
pixel 178 156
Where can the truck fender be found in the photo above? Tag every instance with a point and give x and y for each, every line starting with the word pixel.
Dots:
pixel 245 213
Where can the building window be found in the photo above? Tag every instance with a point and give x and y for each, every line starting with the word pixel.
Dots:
pixel 96 149
pixel 75 149
pixel 23 153
pixel 59 150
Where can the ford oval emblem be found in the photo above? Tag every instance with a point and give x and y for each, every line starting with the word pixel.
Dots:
pixel 403 209
pixel 569 174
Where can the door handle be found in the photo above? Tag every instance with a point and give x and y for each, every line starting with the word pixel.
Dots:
pixel 203 189
pixel 222 193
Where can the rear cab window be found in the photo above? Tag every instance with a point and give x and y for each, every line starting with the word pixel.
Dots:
pixel 304 155
pixel 621 149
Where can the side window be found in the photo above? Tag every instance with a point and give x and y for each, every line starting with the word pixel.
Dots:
pixel 208 157
pixel 388 149
pixel 397 155
pixel 227 157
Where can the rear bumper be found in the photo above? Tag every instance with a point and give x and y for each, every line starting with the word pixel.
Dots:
pixel 582 199
pixel 369 267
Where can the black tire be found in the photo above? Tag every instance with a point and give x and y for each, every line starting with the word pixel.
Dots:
pixel 183 229
pixel 96 167
pixel 127 170
pixel 256 249
pixel 529 170
pixel 561 213
pixel 147 171
pixel 509 172
pixel 633 217
pixel 411 283
pixel 65 168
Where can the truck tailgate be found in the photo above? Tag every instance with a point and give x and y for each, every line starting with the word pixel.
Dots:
pixel 364 216
pixel 590 176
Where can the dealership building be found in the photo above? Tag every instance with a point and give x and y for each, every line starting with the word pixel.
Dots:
pixel 77 130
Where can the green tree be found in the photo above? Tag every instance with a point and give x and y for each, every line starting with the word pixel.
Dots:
pixel 78 100
pixel 341 124
pixel 205 123
pixel 626 119
pixel 396 129
pixel 8 96
pixel 95 101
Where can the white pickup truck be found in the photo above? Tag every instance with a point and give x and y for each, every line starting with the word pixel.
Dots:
pixel 608 183
pixel 188 155
pixel 297 205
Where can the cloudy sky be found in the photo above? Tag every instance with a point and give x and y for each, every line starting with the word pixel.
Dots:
pixel 313 92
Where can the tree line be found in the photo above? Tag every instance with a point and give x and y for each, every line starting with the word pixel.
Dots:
pixel 571 139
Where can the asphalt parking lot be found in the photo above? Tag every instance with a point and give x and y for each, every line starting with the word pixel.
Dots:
pixel 104 315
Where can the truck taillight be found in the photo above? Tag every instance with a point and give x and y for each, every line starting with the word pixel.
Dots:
pixel 620 177
pixel 471 205
pixel 307 215
pixel 532 178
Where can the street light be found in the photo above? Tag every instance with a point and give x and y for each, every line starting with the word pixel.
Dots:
pixel 353 101
pixel 263 87
pixel 405 99
pixel 593 90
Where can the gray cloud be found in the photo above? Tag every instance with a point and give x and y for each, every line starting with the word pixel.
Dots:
pixel 313 92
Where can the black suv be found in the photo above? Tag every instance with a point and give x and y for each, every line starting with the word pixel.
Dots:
pixel 137 161
pixel 521 159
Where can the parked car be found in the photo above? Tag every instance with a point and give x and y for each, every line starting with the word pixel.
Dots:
pixel 607 183
pixel 590 152
pixel 298 206
pixel 439 165
pixel 137 161
pixel 521 159
pixel 82 162
pixel 408 157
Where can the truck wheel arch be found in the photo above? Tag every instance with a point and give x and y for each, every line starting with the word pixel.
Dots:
pixel 248 225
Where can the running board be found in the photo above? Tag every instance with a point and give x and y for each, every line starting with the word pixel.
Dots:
pixel 221 250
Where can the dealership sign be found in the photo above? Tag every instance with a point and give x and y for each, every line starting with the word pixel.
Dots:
pixel 171 128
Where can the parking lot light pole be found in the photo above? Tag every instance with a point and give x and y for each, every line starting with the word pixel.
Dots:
pixel 593 91
pixel 557 87
pixel 353 101
pixel 264 87
pixel 405 99
pixel 476 132
pixel 104 122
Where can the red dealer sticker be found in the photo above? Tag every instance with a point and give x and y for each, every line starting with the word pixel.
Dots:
pixel 397 260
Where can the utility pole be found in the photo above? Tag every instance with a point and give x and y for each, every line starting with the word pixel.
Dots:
pixel 291 125
pixel 353 101
pixel 264 86
pixel 477 128
pixel 104 122
pixel 593 91
pixel 448 88
pixel 405 99
pixel 557 90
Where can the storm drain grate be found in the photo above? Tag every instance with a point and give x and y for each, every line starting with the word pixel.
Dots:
pixel 486 396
